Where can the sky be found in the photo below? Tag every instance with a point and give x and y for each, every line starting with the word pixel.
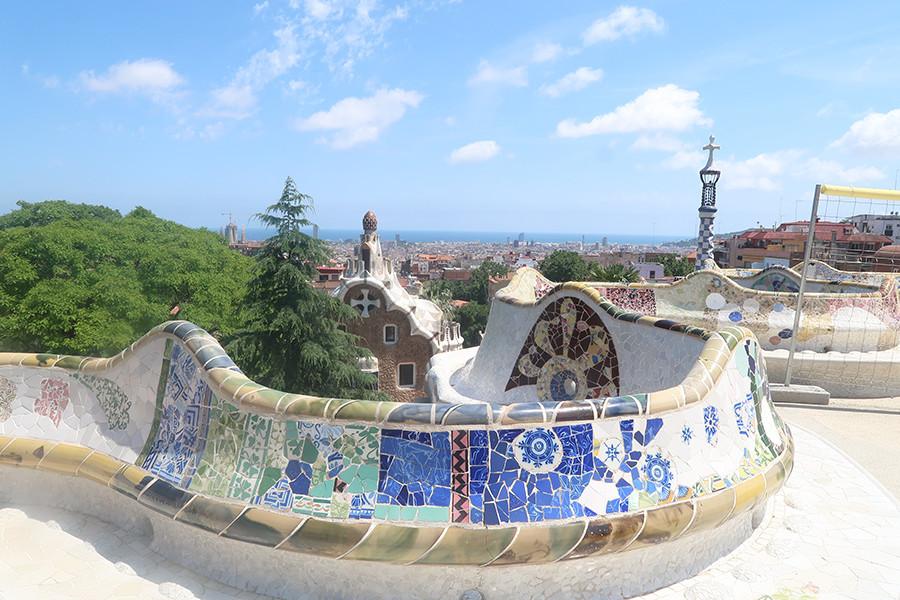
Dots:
pixel 509 115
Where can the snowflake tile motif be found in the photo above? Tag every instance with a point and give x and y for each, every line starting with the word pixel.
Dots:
pixel 658 471
pixel 7 395
pixel 54 399
pixel 687 434
pixel 568 355
pixel 745 415
pixel 711 424
pixel 508 491
pixel 112 399
pixel 538 450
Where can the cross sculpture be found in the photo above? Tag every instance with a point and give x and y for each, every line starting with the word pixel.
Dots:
pixel 364 304
pixel 712 146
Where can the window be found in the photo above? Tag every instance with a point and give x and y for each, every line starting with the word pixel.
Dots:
pixel 406 375
pixel 390 334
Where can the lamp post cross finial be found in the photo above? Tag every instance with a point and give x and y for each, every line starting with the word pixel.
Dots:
pixel 712 146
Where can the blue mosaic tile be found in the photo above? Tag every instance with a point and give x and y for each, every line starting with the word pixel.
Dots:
pixel 414 468
pixel 180 439
pixel 519 491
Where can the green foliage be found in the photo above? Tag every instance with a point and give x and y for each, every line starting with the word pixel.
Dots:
pixel 615 273
pixel 565 265
pixel 293 336
pixel 82 279
pixel 676 266
pixel 476 289
pixel 472 320
pixel 43 213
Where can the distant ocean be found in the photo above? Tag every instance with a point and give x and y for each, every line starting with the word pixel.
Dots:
pixel 258 233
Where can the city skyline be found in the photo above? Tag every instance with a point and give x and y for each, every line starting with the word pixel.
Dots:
pixel 450 115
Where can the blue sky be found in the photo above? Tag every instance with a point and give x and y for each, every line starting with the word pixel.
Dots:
pixel 582 117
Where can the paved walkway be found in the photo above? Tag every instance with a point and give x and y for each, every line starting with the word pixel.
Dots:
pixel 867 430
pixel 833 533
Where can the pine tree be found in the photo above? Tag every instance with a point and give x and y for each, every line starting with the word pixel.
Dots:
pixel 293 336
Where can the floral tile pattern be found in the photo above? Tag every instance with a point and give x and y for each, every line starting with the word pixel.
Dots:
pixel 7 395
pixel 639 300
pixel 113 400
pixel 568 355
pixel 54 399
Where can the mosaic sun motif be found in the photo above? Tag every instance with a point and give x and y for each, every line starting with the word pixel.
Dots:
pixel 538 450
pixel 569 355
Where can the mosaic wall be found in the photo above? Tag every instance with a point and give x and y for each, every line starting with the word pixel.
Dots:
pixel 840 321
pixel 569 355
pixel 422 465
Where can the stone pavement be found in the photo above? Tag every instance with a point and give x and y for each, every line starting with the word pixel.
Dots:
pixel 833 533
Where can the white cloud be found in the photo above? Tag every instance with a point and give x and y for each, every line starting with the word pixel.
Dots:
pixel 762 172
pixel 238 99
pixel 258 8
pixel 545 52
pixel 355 121
pixel 346 30
pixel 766 171
pixel 832 171
pixel 572 82
pixel 475 152
pixel 625 21
pixel 318 9
pixel 876 132
pixel 666 108
pixel 146 76
pixel 489 74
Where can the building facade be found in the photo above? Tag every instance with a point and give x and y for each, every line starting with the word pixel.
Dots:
pixel 403 331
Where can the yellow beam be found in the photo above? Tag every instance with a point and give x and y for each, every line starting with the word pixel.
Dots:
pixel 860 192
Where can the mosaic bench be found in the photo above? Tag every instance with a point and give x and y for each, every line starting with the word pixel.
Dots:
pixel 172 424
pixel 849 335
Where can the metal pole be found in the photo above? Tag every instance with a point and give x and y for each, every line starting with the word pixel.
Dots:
pixel 807 252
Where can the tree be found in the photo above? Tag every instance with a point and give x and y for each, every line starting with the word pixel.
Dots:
pixel 43 213
pixel 472 320
pixel 676 266
pixel 565 265
pixel 616 273
pixel 293 336
pixel 83 279
pixel 479 284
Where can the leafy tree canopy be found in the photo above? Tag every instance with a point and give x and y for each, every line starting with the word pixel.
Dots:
pixel 565 265
pixel 676 266
pixel 43 213
pixel 615 274
pixel 83 279
pixel 476 291
pixel 472 320
pixel 292 336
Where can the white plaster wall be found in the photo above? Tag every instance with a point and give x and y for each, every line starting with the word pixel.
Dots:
pixel 650 358
pixel 83 421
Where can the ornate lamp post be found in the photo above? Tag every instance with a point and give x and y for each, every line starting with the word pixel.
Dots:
pixel 709 176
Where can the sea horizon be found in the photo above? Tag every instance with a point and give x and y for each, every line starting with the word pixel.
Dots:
pixel 495 237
